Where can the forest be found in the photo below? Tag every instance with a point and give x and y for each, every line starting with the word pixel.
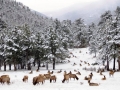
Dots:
pixel 26 35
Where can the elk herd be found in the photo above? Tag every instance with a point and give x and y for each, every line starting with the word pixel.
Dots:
pixel 41 78
pixel 66 77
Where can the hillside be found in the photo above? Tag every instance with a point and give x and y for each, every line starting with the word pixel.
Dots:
pixel 16 14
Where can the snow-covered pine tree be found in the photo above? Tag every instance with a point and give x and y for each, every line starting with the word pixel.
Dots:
pixel 104 37
pixel 93 43
pixel 80 34
pixel 3 29
pixel 115 37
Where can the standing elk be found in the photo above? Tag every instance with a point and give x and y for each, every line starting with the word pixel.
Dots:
pixel 111 72
pixel 66 78
pixel 53 78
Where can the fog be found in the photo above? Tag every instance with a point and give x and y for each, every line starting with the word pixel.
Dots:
pixel 90 11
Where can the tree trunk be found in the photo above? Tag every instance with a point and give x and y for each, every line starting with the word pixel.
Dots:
pixel 107 65
pixel 34 63
pixel 4 66
pixel 114 58
pixel 0 64
pixel 15 68
pixel 29 66
pixel 119 65
pixel 39 64
pixel 18 66
pixel 21 65
pixel 47 65
pixel 9 66
pixel 53 63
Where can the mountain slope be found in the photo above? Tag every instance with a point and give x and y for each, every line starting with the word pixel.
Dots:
pixel 16 14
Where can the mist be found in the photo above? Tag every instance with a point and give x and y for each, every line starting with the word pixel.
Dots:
pixel 90 11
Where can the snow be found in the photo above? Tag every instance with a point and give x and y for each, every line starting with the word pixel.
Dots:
pixel 77 55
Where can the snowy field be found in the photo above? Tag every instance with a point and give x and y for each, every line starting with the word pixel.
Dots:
pixel 109 84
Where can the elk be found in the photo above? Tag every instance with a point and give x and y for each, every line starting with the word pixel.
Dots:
pixel 66 78
pixel 50 72
pixel 38 79
pixel 5 78
pixel 80 64
pixel 91 74
pixel 53 78
pixel 25 78
pixel 47 76
pixel 72 76
pixel 78 73
pixel 111 73
pixel 92 84
pixel 75 70
pixel 87 78
pixel 74 64
pixel 104 78
pixel 88 64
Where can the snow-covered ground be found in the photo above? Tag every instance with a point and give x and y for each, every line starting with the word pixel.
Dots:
pixel 81 54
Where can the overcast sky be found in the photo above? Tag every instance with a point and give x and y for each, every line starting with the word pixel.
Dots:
pixel 52 5
pixel 70 9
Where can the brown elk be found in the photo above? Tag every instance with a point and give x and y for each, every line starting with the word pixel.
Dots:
pixel 25 78
pixel 74 64
pixel 5 79
pixel 87 78
pixel 91 74
pixel 80 64
pixel 111 72
pixel 92 84
pixel 50 72
pixel 38 79
pixel 78 73
pixel 47 76
pixel 104 78
pixel 66 78
pixel 53 78
pixel 73 76
pixel 75 70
